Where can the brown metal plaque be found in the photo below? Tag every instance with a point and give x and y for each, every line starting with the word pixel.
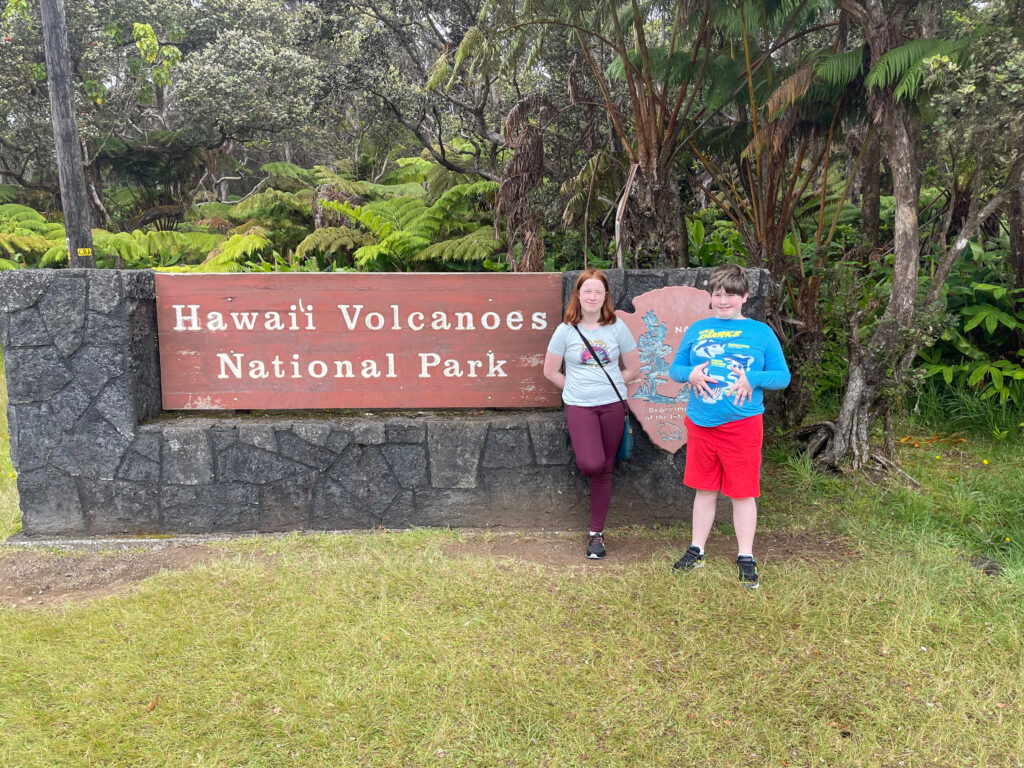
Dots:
pixel 356 340
pixel 658 324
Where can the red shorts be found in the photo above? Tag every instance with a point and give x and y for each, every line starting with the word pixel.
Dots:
pixel 725 458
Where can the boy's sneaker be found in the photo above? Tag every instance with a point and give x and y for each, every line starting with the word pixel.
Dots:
pixel 595 546
pixel 748 572
pixel 690 560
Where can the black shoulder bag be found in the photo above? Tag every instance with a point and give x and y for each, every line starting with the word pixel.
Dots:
pixel 626 443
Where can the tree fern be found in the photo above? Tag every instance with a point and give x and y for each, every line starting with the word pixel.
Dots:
pixel 477 246
pixel 230 256
pixel 601 177
pixel 273 203
pixel 440 180
pixel 19 213
pixel 289 171
pixel 902 68
pixel 376 224
pixel 130 249
pixel 30 246
pixel 841 69
pixel 332 241
pixel 411 170
pixel 56 256
pixel 323 175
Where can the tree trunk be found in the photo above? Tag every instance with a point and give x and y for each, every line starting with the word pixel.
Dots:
pixel 870 193
pixel 653 226
pixel 882 359
pixel 1015 221
pixel 77 222
pixel 94 188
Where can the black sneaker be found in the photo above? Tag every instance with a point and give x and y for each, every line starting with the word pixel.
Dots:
pixel 691 560
pixel 748 572
pixel 595 546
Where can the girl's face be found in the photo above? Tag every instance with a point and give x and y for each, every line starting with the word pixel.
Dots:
pixel 592 295
pixel 727 306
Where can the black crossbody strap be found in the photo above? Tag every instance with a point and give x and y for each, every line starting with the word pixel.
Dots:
pixel 603 369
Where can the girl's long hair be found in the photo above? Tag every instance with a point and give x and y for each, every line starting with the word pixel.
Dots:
pixel 574 312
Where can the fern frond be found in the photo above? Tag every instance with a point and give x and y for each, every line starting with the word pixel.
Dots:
pixel 230 255
pixel 16 212
pixel 893 65
pixel 440 180
pixel 331 241
pixel 471 44
pixel 408 189
pixel 841 69
pixel 478 245
pixel 273 203
pixel 602 173
pixel 131 250
pixel 7 264
pixel 378 226
pixel 439 70
pixel 57 256
pixel 324 175
pixel 29 245
pixel 288 171
pixel 410 170
pixel 790 90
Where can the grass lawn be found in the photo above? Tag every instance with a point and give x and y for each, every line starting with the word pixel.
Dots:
pixel 382 650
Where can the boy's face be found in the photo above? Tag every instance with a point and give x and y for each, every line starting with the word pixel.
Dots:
pixel 727 306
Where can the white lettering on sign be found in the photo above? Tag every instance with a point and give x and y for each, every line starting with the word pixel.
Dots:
pixel 186 318
pixel 354 317
pixel 340 341
pixel 455 369
pixel 236 365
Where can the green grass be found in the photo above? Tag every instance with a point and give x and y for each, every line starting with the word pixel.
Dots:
pixel 377 650
pixel 380 650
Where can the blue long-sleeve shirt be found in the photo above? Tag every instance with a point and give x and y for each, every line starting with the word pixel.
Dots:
pixel 721 344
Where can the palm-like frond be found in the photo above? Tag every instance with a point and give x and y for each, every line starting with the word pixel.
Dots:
pixel 30 246
pixel 230 256
pixel 289 171
pixel 478 245
pixel 332 241
pixel 902 68
pixel 324 175
pixel 601 177
pixel 841 69
pixel 410 170
pixel 670 69
pixel 791 90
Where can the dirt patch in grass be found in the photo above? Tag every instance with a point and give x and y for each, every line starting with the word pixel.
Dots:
pixel 32 578
pixel 42 579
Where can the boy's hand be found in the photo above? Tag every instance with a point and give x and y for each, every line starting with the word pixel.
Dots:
pixel 699 380
pixel 741 390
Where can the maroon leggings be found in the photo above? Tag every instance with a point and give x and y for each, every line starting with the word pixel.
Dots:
pixel 595 432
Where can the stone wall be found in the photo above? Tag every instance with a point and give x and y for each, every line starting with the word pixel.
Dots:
pixel 95 455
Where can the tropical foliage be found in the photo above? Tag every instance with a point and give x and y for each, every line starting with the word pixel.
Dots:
pixel 867 153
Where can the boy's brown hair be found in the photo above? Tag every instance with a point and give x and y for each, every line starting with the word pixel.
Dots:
pixel 731 278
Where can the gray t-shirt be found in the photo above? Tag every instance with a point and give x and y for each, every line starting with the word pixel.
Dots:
pixel 585 384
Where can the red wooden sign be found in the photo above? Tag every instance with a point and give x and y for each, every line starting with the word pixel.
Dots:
pixel 658 323
pixel 356 340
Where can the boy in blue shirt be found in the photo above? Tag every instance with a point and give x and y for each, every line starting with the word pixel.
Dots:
pixel 728 361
